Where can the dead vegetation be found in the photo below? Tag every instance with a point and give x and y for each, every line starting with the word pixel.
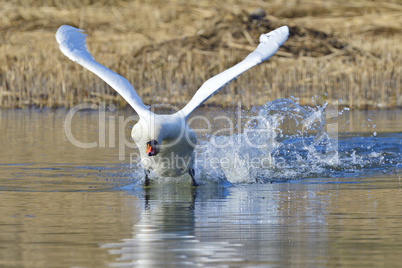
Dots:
pixel 347 50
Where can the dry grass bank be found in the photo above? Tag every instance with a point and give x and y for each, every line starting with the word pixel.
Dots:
pixel 347 50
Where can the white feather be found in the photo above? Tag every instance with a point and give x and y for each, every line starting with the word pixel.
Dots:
pixel 172 132
pixel 270 43
pixel 72 43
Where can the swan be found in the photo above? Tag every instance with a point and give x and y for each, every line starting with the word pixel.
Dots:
pixel 166 142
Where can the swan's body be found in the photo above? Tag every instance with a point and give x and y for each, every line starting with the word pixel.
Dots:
pixel 166 143
pixel 177 141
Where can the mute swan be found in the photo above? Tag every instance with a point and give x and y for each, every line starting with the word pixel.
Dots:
pixel 166 143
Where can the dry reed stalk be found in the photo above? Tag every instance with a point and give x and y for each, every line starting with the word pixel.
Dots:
pixel 364 73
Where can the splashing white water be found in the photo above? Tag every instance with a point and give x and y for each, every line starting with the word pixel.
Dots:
pixel 282 140
pixel 264 152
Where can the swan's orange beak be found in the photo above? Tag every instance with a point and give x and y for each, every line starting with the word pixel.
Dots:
pixel 151 148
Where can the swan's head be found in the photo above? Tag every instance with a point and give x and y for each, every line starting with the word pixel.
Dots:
pixel 152 148
pixel 160 134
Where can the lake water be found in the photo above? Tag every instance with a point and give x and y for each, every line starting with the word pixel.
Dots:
pixel 327 193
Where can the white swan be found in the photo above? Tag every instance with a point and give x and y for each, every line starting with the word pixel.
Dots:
pixel 166 143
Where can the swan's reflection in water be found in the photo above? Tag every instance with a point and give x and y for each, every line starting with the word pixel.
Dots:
pixel 317 222
pixel 165 235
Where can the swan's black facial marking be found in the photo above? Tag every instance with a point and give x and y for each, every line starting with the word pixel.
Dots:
pixel 151 148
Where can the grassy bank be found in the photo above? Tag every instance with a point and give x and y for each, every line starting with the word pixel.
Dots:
pixel 347 50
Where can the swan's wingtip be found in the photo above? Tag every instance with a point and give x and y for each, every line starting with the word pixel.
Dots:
pixel 281 33
pixel 68 27
pixel 63 31
pixel 284 29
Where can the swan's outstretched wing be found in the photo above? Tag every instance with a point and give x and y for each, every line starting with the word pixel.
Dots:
pixel 269 44
pixel 72 43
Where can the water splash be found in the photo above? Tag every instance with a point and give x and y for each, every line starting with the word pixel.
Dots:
pixel 283 140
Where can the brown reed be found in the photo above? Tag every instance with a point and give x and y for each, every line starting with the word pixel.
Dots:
pixel 348 50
